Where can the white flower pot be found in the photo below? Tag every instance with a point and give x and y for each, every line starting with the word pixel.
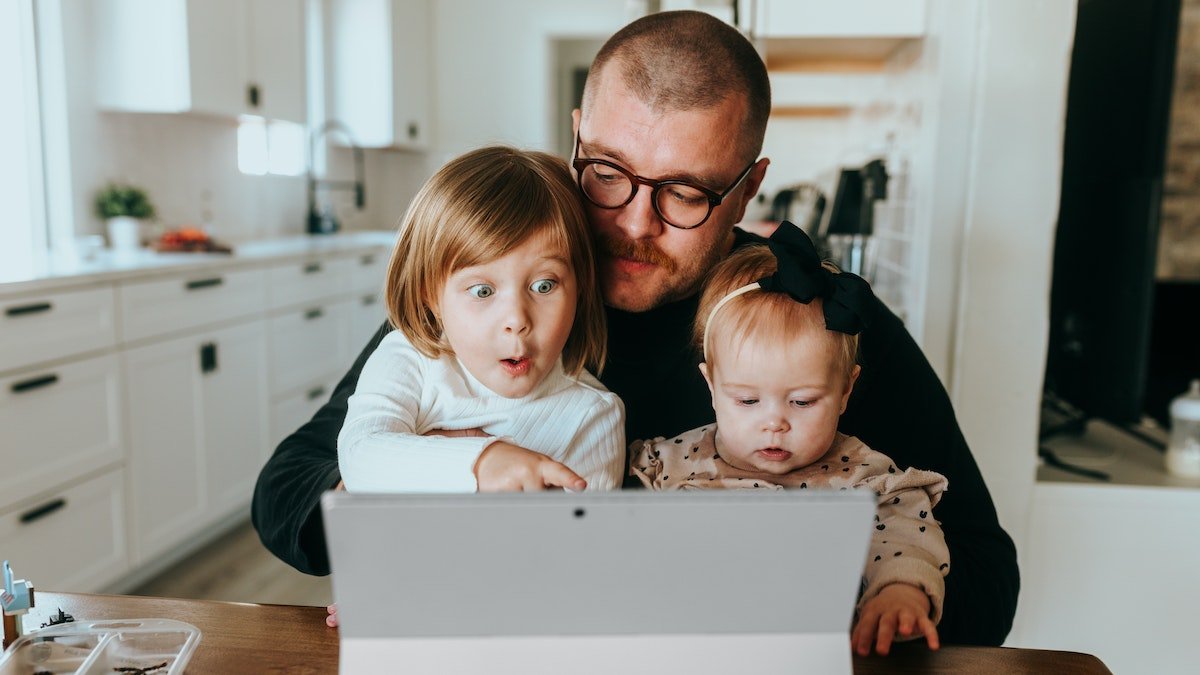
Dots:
pixel 124 233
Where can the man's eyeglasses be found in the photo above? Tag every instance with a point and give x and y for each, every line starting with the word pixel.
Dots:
pixel 678 203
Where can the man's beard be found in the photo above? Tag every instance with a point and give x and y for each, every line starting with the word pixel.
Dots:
pixel 683 279
pixel 638 251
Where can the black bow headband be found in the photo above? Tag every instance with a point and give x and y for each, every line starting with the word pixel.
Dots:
pixel 848 302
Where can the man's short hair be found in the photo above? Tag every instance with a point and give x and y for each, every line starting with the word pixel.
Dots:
pixel 688 60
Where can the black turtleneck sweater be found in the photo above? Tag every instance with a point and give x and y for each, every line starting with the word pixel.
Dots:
pixel 898 407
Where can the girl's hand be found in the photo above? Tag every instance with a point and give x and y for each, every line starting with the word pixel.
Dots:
pixel 331 620
pixel 504 467
pixel 898 610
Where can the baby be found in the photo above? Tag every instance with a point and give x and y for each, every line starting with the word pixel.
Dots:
pixel 778 330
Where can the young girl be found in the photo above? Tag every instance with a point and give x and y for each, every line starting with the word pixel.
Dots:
pixel 483 386
pixel 778 332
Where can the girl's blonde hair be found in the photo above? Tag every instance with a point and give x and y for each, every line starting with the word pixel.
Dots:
pixel 774 316
pixel 475 209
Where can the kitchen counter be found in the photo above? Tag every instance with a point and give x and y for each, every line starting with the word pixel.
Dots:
pixel 57 271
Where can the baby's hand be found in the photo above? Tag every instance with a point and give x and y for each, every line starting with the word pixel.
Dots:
pixel 899 609
pixel 504 467
pixel 331 620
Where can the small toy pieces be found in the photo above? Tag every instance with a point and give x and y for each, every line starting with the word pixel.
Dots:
pixel 16 600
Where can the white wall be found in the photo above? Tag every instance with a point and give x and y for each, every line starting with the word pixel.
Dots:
pixel 1013 171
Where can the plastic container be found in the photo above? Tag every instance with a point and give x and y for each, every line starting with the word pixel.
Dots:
pixel 152 646
pixel 1183 450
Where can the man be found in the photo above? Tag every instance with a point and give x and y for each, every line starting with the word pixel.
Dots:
pixel 672 121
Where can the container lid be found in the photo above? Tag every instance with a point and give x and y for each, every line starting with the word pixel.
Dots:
pixel 159 646
pixel 1186 406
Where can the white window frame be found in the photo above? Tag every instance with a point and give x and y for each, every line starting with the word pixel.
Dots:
pixel 23 235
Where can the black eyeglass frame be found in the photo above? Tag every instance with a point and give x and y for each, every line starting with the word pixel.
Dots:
pixel 714 198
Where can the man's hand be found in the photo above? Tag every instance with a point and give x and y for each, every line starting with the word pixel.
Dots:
pixel 504 467
pixel 457 433
pixel 898 610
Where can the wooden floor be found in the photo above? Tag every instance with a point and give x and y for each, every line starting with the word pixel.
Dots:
pixel 237 568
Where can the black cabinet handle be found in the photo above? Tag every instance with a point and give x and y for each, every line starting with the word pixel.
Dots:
pixel 313 314
pixel 208 357
pixel 253 95
pixel 35 308
pixel 367 260
pixel 39 512
pixel 316 393
pixel 204 283
pixel 412 130
pixel 368 300
pixel 312 268
pixel 34 383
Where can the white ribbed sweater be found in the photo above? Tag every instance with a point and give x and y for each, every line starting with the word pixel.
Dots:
pixel 402 394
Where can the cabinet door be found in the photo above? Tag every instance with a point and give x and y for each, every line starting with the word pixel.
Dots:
pixel 276 47
pixel 379 74
pixel 234 404
pixel 197 408
pixel 368 313
pixel 411 26
pixel 166 476
pixel 216 35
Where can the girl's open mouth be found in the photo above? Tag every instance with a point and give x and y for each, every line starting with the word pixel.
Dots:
pixel 517 366
pixel 774 454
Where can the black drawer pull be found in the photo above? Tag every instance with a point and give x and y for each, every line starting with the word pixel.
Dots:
pixel 28 309
pixel 34 383
pixel 204 283
pixel 312 268
pixel 208 357
pixel 368 299
pixel 367 260
pixel 39 512
pixel 314 314
pixel 316 393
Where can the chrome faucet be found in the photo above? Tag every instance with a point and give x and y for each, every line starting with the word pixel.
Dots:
pixel 318 223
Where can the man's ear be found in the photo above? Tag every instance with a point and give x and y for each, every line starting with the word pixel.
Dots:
pixel 854 373
pixel 752 183
pixel 576 114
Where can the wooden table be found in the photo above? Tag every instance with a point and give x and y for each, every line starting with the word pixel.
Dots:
pixel 248 638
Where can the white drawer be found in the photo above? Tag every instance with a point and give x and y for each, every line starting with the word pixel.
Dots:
pixel 368 314
pixel 294 410
pixel 308 344
pixel 370 270
pixel 49 326
pixel 57 424
pixel 307 281
pixel 152 308
pixel 72 539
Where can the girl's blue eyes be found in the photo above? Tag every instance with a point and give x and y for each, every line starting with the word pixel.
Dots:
pixel 541 287
pixel 481 291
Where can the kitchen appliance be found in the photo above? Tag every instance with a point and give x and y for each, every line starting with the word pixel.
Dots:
pixel 847 232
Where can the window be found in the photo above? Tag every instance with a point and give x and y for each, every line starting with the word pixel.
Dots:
pixel 23 227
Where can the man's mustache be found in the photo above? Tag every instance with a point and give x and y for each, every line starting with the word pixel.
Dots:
pixel 637 251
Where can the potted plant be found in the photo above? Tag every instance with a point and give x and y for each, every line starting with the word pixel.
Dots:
pixel 123 208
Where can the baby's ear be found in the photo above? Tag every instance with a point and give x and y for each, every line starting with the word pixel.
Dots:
pixel 854 373
pixel 707 378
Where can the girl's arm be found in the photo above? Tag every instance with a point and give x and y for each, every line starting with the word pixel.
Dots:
pixel 379 449
pixel 597 450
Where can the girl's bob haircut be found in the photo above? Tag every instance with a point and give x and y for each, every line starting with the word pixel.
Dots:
pixel 475 209
pixel 775 317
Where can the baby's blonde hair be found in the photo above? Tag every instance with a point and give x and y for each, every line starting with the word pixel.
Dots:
pixel 475 209
pixel 774 316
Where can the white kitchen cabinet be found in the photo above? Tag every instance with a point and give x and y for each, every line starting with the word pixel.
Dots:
pixel 198 408
pixel 39 327
pixel 290 411
pixel 71 539
pixel 379 70
pixel 368 314
pixel 58 423
pixel 308 345
pixel 160 307
pixel 215 57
